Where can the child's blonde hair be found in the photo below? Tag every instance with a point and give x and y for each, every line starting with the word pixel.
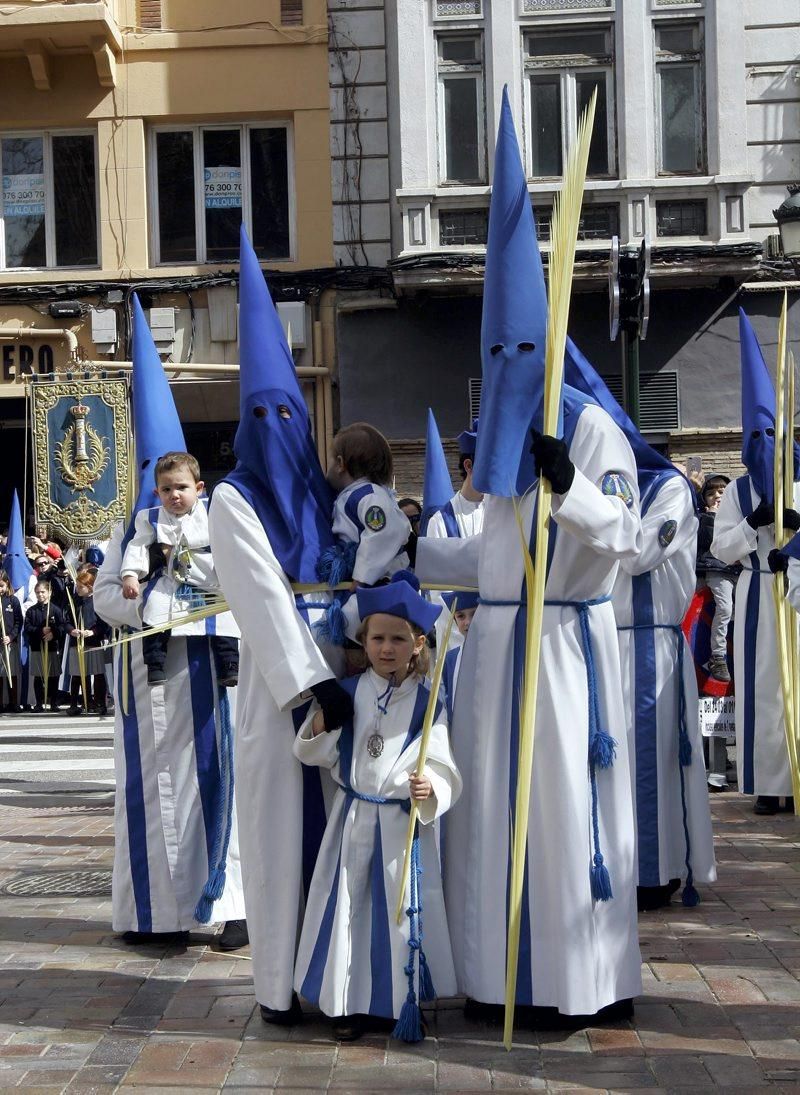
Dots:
pixel 365 453
pixel 419 664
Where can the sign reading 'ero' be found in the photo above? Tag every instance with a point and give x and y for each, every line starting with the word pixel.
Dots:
pixel 19 358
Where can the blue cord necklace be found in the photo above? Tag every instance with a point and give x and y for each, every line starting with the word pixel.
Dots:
pixel 375 741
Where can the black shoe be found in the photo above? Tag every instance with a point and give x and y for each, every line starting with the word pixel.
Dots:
pixel 155 676
pixel 649 898
pixel 102 711
pixel 788 805
pixel 234 936
pixel 288 1018
pixel 476 1012
pixel 38 708
pixel 163 939
pixel 14 709
pixel 766 804
pixel 347 1028
pixel 542 1018
pixel 73 711
pixel 717 788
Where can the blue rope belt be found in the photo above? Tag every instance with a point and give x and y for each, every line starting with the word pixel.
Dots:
pixel 602 747
pixel 196 597
pixel 689 896
pixel 409 1024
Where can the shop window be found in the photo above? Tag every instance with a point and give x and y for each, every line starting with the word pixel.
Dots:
pixel 207 180
pixel 681 105
pixel 562 69
pixel 462 140
pixel 48 214
pixel 681 218
pixel 463 227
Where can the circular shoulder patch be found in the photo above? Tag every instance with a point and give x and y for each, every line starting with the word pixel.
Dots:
pixel 666 534
pixel 615 484
pixel 375 519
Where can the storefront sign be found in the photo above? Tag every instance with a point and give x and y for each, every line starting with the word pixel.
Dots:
pixel 20 360
pixel 717 717
pixel 223 187
pixel 23 195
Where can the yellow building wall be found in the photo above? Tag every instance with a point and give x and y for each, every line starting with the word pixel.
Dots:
pixel 250 69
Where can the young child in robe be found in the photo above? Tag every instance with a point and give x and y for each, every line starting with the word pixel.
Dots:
pixel 466 605
pixel 352 955
pixel 177 533
pixel 95 633
pixel 44 625
pixel 9 637
pixel 366 512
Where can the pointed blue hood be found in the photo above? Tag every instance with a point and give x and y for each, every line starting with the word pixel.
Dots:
pixel 758 414
pixel 438 486
pixel 15 561
pixel 156 426
pixel 513 328
pixel 278 470
pixel 650 464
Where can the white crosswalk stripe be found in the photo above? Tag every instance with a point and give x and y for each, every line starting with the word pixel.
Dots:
pixel 49 753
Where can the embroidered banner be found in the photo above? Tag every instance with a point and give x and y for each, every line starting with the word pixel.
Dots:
pixel 81 453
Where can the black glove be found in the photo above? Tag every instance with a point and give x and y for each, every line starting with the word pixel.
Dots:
pixel 551 456
pixel 336 704
pixel 762 515
pixel 411 549
pixel 778 562
pixel 791 519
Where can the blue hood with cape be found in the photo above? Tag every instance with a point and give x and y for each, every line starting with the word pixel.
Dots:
pixel 513 328
pixel 437 487
pixel 278 470
pixel 15 561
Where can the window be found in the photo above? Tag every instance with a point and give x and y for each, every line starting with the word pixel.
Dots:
pixel 681 218
pixel 292 13
pixel 463 227
pixel 598 222
pixel 462 145
pixel 681 106
pixel 210 179
pixel 48 214
pixel 562 68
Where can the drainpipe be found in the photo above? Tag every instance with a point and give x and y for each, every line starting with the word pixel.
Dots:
pixel 18 331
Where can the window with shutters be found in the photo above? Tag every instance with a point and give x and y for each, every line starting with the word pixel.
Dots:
pixel 292 13
pixel 48 204
pixel 462 129
pixel 681 101
pixel 562 69
pixel 207 180
pixel 149 14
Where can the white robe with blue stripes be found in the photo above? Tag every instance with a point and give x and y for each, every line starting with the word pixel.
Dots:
pixel 652 595
pixel 762 758
pixel 281 808
pixel 352 950
pixel 167 762
pixel 576 953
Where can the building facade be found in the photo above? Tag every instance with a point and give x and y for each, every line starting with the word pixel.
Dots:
pixel 697 135
pixel 136 136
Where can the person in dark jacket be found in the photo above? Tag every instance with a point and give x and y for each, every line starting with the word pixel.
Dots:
pixel 718 576
pixel 95 633
pixel 44 626
pixel 9 637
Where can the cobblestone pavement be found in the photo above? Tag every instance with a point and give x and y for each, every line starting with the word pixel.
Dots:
pixel 81 1012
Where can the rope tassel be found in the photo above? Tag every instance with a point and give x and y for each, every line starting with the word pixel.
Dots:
pixel 409 1024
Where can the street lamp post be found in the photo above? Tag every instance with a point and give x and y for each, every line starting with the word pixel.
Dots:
pixel 788 217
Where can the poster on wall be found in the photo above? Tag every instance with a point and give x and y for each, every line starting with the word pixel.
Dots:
pixel 81 448
pixel 23 195
pixel 718 717
pixel 223 187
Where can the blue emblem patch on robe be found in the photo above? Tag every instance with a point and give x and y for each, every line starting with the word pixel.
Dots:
pixel 375 518
pixel 666 534
pixel 615 484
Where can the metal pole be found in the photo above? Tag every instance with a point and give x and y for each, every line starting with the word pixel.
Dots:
pixel 630 365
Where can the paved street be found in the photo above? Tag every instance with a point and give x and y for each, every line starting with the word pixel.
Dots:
pixel 81 1012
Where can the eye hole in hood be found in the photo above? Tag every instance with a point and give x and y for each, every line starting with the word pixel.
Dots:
pixel 526 347
pixel 259 412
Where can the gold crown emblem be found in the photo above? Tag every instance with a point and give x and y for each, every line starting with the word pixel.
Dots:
pixel 79 410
